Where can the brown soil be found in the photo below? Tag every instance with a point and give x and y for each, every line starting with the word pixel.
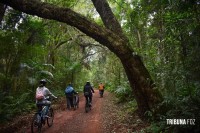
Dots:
pixel 105 117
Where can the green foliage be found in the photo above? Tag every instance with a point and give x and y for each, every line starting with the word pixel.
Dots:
pixel 68 3
pixel 157 127
pixel 131 105
pixel 164 33
pixel 15 105
pixel 26 45
pixel 124 93
pixel 184 106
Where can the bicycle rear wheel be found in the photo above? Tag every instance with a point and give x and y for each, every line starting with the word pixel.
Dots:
pixel 87 105
pixel 76 102
pixel 86 108
pixel 50 117
pixel 36 124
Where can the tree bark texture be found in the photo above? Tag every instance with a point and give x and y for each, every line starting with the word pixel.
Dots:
pixel 107 16
pixel 142 80
pixel 111 36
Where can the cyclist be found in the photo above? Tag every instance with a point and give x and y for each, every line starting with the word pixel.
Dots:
pixel 69 92
pixel 88 90
pixel 101 89
pixel 42 96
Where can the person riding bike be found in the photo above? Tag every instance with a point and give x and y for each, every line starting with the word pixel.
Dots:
pixel 88 90
pixel 101 89
pixel 42 96
pixel 69 92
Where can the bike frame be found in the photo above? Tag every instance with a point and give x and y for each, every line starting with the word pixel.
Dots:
pixel 39 119
pixel 76 101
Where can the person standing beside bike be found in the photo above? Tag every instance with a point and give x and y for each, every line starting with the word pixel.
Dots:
pixel 42 96
pixel 88 90
pixel 101 89
pixel 69 92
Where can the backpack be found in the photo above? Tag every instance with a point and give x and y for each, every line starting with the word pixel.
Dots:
pixel 68 90
pixel 39 94
pixel 86 93
pixel 87 90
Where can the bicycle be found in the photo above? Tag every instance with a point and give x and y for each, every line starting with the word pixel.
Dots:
pixel 39 119
pixel 87 105
pixel 76 101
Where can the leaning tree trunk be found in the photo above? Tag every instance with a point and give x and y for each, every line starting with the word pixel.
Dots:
pixel 138 76
pixel 147 96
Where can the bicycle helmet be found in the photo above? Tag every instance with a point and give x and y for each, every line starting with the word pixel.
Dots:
pixel 43 81
pixel 88 83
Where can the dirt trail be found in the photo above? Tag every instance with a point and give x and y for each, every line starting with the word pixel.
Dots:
pixel 105 117
pixel 70 121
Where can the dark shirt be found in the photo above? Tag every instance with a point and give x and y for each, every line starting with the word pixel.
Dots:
pixel 88 88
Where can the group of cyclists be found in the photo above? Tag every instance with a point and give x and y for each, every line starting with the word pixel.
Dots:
pixel 43 94
pixel 87 91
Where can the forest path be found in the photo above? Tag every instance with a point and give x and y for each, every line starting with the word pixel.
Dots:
pixel 105 117
pixel 77 121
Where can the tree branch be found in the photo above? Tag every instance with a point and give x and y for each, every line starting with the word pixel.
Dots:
pixel 61 43
pixel 107 15
pixel 48 11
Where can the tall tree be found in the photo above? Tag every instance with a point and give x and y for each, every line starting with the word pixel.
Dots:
pixel 147 96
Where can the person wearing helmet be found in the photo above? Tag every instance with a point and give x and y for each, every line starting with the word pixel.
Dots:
pixel 88 90
pixel 42 95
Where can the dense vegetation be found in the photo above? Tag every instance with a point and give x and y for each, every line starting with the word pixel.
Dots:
pixel 166 34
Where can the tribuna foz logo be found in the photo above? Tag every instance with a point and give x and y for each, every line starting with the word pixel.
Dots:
pixel 180 121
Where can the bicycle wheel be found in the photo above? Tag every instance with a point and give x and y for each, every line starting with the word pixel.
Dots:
pixel 87 107
pixel 74 102
pixel 77 103
pixel 36 124
pixel 50 117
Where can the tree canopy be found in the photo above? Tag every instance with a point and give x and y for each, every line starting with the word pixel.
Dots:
pixel 142 50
